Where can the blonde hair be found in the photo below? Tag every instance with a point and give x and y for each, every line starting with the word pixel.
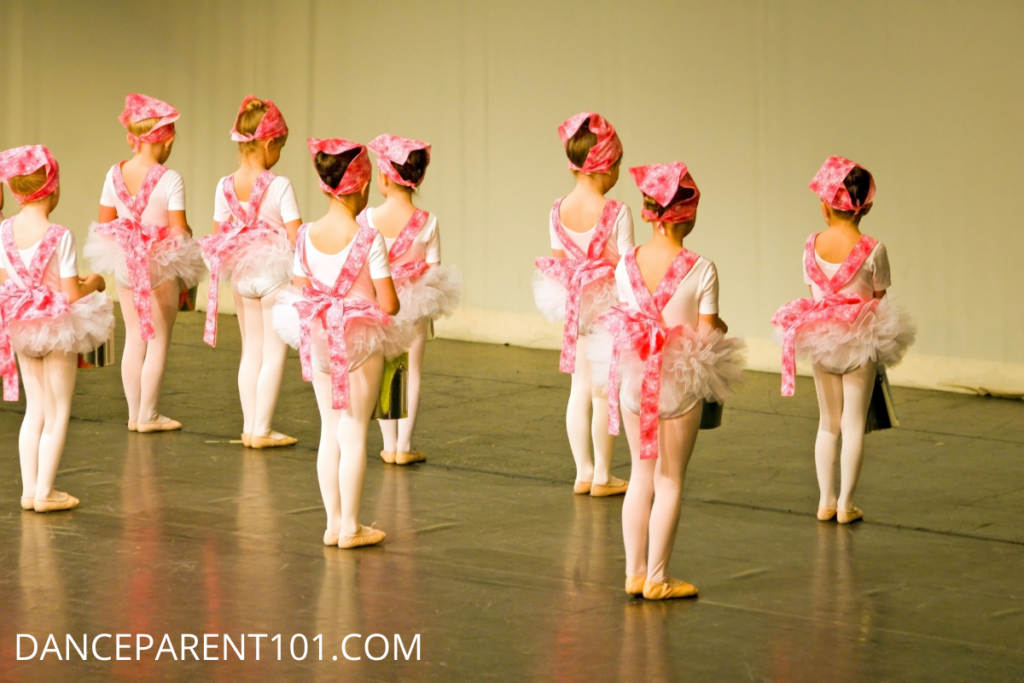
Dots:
pixel 140 128
pixel 248 121
pixel 24 185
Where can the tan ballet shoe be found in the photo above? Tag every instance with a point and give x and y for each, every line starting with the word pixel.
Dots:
pixel 408 458
pixel 330 538
pixel 635 585
pixel 826 514
pixel 132 426
pixel 388 457
pixel 162 424
pixel 28 503
pixel 57 501
pixel 849 516
pixel 614 487
pixel 674 588
pixel 246 440
pixel 581 488
pixel 259 442
pixel 366 536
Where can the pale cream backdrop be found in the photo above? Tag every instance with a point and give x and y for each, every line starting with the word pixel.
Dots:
pixel 751 95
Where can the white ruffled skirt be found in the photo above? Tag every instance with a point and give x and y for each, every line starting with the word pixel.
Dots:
pixel 170 258
pixel 597 298
pixel 260 267
pixel 883 335
pixel 698 364
pixel 435 294
pixel 85 326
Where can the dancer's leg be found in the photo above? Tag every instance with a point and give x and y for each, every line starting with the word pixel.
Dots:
pixel 364 384
pixel 165 310
pixel 604 443
pixel 676 440
pixel 857 388
pixel 577 414
pixel 59 370
pixel 32 426
pixel 248 366
pixel 328 452
pixel 275 352
pixel 829 387
pixel 636 508
pixel 134 354
pixel 407 425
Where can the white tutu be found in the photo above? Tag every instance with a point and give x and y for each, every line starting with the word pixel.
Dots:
pixel 84 327
pixel 597 298
pixel 259 267
pixel 697 364
pixel 435 294
pixel 363 338
pixel 172 257
pixel 883 335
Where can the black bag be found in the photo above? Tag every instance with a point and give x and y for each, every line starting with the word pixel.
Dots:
pixel 711 417
pixel 881 409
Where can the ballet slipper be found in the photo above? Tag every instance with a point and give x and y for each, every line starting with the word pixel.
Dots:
pixel 849 516
pixel 581 488
pixel 826 514
pixel 28 503
pixel 246 440
pixel 673 588
pixel 635 585
pixel 409 457
pixel 57 501
pixel 330 537
pixel 272 441
pixel 388 457
pixel 132 425
pixel 614 487
pixel 366 536
pixel 162 424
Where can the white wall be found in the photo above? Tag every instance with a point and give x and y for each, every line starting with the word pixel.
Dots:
pixel 751 95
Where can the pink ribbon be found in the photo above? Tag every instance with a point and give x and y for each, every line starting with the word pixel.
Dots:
pixel 833 306
pixel 576 271
pixel 411 269
pixel 28 302
pixel 219 247
pixel 642 331
pixel 136 239
pixel 329 305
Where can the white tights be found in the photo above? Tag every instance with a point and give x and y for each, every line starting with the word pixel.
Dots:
pixel 262 366
pixel 585 427
pixel 49 387
pixel 843 403
pixel 143 362
pixel 341 458
pixel 650 512
pixel 397 434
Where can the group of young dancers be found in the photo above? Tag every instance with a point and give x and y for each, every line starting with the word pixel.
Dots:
pixel 362 286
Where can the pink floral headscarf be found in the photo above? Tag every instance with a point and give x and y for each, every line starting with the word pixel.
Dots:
pixel 392 149
pixel 828 184
pixel 26 160
pixel 141 107
pixel 660 182
pixel 271 126
pixel 605 153
pixel 357 175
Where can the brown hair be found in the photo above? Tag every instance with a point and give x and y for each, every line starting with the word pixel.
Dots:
pixel 414 168
pixel 24 185
pixel 331 167
pixel 858 183
pixel 578 147
pixel 140 128
pixel 682 194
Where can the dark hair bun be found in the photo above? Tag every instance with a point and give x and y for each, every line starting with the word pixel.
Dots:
pixel 331 167
pixel 578 147
pixel 858 184
pixel 414 168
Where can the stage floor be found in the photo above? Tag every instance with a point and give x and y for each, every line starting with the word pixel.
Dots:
pixel 503 573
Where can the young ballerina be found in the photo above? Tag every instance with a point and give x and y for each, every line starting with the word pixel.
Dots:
pixel 575 285
pixel 48 315
pixel 335 312
pixel 668 346
pixel 847 329
pixel 426 290
pixel 254 240
pixel 143 238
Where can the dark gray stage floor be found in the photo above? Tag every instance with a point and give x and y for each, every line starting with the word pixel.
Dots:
pixel 503 573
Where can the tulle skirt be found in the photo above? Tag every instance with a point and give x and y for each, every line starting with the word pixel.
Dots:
pixel 597 298
pixel 169 258
pixel 883 334
pixel 85 326
pixel 435 294
pixel 260 267
pixel 697 364
pixel 363 337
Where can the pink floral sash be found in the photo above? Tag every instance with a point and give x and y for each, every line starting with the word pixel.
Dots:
pixel 643 332
pixel 136 239
pixel 576 271
pixel 230 236
pixel 328 304
pixel 833 306
pixel 31 301
pixel 410 269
